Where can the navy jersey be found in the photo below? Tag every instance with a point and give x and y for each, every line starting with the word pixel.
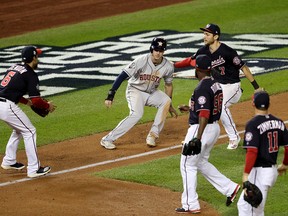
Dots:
pixel 207 96
pixel 18 81
pixel 226 63
pixel 266 133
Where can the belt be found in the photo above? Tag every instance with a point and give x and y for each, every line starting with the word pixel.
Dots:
pixel 2 100
pixel 265 166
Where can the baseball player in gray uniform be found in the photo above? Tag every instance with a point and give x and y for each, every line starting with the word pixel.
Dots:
pixel 144 75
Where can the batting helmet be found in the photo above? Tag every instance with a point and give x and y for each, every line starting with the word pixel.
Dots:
pixel 158 44
pixel 203 63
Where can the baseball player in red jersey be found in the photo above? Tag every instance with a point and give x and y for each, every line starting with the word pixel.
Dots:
pixel 205 110
pixel 264 134
pixel 19 80
pixel 226 64
pixel 144 75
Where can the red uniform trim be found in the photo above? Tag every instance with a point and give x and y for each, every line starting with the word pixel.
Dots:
pixel 185 63
pixel 204 114
pixel 23 100
pixel 39 102
pixel 285 161
pixel 251 156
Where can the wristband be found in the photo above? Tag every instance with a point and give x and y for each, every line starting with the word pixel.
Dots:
pixel 111 95
pixel 255 84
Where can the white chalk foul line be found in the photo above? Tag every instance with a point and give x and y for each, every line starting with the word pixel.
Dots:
pixel 105 162
pixel 93 165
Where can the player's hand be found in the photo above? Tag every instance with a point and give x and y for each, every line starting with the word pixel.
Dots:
pixel 259 89
pixel 108 103
pixel 173 112
pixel 52 107
pixel 282 169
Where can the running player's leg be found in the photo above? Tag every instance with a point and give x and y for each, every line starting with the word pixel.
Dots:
pixel 136 102
pixel 231 95
pixel 162 102
pixel 223 184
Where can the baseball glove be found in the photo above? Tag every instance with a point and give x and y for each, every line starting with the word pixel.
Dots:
pixel 193 147
pixel 183 108
pixel 40 111
pixel 253 194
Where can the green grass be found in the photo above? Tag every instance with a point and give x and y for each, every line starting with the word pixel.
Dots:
pixel 83 112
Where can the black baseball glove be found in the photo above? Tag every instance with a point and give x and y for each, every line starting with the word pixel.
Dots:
pixel 253 194
pixel 193 147
pixel 40 111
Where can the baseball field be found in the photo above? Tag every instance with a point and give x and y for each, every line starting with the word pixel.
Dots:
pixel 87 179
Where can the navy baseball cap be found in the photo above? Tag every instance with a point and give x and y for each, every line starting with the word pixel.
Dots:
pixel 212 28
pixel 203 63
pixel 29 52
pixel 261 100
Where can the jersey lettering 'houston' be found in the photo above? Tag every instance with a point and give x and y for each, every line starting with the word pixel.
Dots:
pixel 145 76
pixel 226 63
pixel 207 95
pixel 266 133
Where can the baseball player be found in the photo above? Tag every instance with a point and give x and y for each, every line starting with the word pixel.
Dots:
pixel 264 134
pixel 205 110
pixel 19 80
pixel 226 64
pixel 144 75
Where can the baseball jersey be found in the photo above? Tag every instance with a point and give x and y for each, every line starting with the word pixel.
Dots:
pixel 207 95
pixel 145 76
pixel 19 80
pixel 266 133
pixel 226 63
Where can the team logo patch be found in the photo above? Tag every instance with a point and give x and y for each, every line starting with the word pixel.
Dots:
pixel 236 60
pixel 248 136
pixel 202 100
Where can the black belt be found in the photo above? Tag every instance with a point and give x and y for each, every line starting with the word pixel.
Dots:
pixel 265 166
pixel 2 99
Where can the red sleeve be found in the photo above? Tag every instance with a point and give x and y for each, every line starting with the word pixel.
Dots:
pixel 39 102
pixel 204 114
pixel 23 100
pixel 285 160
pixel 185 63
pixel 251 156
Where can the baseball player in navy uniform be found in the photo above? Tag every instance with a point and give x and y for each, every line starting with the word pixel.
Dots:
pixel 264 134
pixel 144 75
pixel 19 80
pixel 205 110
pixel 226 65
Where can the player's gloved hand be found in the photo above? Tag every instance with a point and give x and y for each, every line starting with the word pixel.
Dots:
pixel 193 147
pixel 110 98
pixel 282 169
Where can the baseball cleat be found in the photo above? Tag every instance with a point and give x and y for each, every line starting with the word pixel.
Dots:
pixel 231 198
pixel 107 144
pixel 150 140
pixel 40 172
pixel 16 166
pixel 183 211
pixel 233 144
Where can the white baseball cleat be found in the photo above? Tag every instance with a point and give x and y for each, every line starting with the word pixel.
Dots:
pixel 151 140
pixel 233 144
pixel 107 144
